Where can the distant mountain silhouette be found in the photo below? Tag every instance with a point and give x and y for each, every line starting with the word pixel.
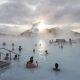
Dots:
pixel 26 33
pixel 54 31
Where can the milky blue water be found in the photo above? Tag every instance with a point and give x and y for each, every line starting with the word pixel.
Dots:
pixel 68 58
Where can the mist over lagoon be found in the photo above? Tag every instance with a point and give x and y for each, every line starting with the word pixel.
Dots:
pixel 39 39
pixel 67 57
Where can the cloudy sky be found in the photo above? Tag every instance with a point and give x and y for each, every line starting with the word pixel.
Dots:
pixel 21 12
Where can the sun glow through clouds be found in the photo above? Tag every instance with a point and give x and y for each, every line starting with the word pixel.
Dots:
pixel 41 26
pixel 41 46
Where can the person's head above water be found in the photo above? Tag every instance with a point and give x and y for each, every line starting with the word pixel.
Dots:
pixel 31 57
pixel 56 65
pixel 7 54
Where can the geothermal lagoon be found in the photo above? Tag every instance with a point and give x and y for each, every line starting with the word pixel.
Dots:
pixel 67 57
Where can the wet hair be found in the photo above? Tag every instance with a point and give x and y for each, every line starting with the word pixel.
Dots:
pixel 31 59
pixel 7 54
pixel 56 65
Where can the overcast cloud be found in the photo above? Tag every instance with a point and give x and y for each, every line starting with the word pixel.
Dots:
pixel 28 11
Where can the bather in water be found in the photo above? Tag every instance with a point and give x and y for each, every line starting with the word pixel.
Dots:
pixel 56 67
pixel 30 63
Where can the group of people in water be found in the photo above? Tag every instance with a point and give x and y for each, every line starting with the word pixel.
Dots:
pixel 39 45
pixel 30 64
pixel 19 47
pixel 7 57
pixel 46 51
pixel 61 42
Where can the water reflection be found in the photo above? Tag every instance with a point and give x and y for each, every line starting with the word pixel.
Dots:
pixel 40 50
pixel 41 46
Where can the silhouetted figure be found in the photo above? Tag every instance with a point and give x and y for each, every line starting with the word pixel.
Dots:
pixel 13 44
pixel 31 59
pixel 34 50
pixel 70 41
pixel 20 48
pixel 6 57
pixel 15 57
pixel 46 51
pixel 61 46
pixel 3 43
pixel 56 67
